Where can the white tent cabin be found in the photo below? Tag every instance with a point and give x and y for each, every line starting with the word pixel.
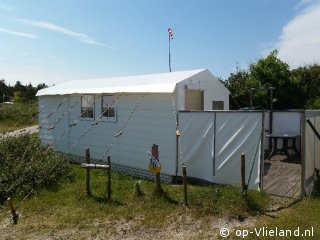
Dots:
pixel 123 116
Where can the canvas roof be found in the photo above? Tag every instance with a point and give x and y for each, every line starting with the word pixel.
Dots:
pixel 159 83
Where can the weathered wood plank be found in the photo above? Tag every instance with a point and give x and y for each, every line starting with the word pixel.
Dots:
pixel 95 166
pixel 283 179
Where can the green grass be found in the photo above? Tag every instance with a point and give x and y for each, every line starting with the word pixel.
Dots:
pixel 17 115
pixel 304 214
pixel 67 206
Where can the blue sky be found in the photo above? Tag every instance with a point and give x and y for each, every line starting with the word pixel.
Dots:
pixel 56 41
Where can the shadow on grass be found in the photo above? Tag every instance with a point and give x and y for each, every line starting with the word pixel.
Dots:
pixel 253 205
pixel 104 199
pixel 256 202
pixel 164 195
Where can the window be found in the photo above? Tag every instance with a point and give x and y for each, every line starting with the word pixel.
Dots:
pixel 87 106
pixel 108 106
pixel 217 105
pixel 194 100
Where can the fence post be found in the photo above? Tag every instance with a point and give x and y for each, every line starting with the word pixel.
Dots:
pixel 155 154
pixel 14 214
pixel 109 178
pixel 88 172
pixel 243 175
pixel 185 190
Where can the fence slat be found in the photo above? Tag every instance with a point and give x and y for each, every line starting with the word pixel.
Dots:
pixel 88 172
pixel 109 178
pixel 185 189
pixel 243 175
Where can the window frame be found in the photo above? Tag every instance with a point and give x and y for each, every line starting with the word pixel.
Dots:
pixel 114 106
pixel 85 116
pixel 188 103
pixel 216 103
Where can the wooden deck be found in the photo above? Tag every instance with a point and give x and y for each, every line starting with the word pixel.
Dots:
pixel 282 177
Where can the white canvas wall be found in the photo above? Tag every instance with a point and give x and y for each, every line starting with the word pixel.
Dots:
pixel 312 148
pixel 283 122
pixel 212 143
pixel 50 113
pixel 197 144
pixel 213 90
pixel 152 122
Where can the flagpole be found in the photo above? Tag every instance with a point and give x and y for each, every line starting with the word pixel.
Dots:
pixel 169 54
pixel 170 35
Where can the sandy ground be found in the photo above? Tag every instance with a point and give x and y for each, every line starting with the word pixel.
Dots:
pixel 30 130
pixel 186 227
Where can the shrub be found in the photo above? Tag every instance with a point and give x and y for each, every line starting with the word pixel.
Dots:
pixel 313 104
pixel 26 165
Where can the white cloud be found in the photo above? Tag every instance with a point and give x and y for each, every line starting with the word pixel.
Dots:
pixel 52 27
pixel 304 3
pixel 18 34
pixel 299 43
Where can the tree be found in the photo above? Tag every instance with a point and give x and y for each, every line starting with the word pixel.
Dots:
pixel 313 104
pixel 239 84
pixel 272 72
pixel 264 73
pixel 19 93
pixel 18 87
pixel 3 90
pixel 41 86
pixel 17 97
pixel 30 93
pixel 307 81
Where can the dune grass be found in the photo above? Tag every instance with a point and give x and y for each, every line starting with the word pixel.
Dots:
pixel 17 115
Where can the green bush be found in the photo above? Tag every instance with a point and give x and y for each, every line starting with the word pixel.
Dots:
pixel 26 165
pixel 313 104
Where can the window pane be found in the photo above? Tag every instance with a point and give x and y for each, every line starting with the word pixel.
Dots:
pixel 87 113
pixel 87 105
pixel 87 100
pixel 109 112
pixel 108 100
pixel 108 106
pixel 217 105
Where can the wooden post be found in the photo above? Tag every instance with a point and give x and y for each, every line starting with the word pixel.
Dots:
pixel 15 216
pixel 243 175
pixel 262 153
pixel 177 154
pixel 185 190
pixel 109 178
pixel 88 172
pixel 303 151
pixel 155 154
